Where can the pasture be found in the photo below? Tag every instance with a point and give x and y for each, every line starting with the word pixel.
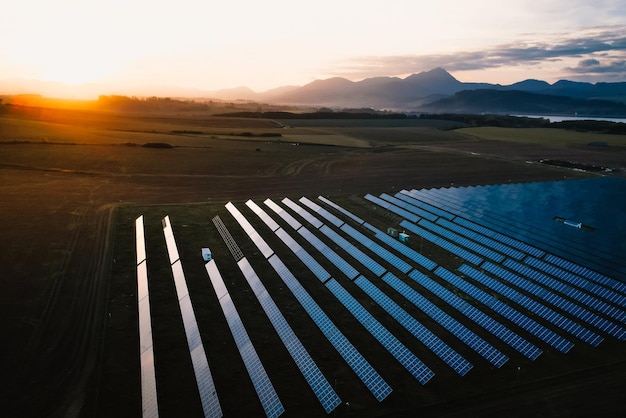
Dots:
pixel 72 181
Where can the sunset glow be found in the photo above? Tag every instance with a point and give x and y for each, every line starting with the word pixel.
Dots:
pixel 125 46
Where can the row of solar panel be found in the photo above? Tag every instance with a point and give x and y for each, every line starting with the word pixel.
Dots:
pixel 592 338
pixel 517 342
pixel 572 292
pixel 458 363
pixel 149 402
pixel 366 260
pixel 372 380
pixel 204 380
pixel 260 380
pixel 421 372
pixel 445 198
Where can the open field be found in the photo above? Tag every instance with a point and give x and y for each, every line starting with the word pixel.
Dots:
pixel 62 231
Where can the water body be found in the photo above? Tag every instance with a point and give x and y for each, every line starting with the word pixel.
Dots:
pixel 583 221
pixel 553 118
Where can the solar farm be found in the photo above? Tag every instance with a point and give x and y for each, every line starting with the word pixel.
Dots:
pixel 312 306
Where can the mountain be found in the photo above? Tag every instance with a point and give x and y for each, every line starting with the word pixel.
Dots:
pixel 521 102
pixel 418 90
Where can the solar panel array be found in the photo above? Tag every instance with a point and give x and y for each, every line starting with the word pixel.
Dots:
pixel 260 380
pixel 525 296
pixel 204 380
pixel 149 402
pixel 312 374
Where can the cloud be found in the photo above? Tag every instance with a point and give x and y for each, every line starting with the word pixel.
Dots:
pixel 589 44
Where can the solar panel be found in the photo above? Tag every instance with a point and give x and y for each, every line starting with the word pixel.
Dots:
pixel 322 212
pixel 140 239
pixel 263 215
pixel 262 384
pixel 358 255
pixel 410 362
pixel 283 214
pixel 311 372
pixel 489 242
pixel 149 402
pixel 423 334
pixel 204 380
pixel 342 210
pixel 511 338
pixel 408 252
pixel 582 297
pixel 586 272
pixel 403 195
pixel 513 315
pixel 587 285
pixel 249 229
pixel 462 241
pixel 172 250
pixel 392 208
pixel 560 302
pixel 387 255
pixel 339 262
pixel 409 207
pixel 370 377
pixel 302 212
pixel 317 269
pixel 533 306
pixel 443 243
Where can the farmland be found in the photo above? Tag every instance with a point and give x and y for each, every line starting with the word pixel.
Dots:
pixel 73 182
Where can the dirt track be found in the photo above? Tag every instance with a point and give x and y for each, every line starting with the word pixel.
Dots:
pixel 63 206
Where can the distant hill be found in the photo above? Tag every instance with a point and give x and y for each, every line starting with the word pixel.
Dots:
pixel 521 102
pixel 421 91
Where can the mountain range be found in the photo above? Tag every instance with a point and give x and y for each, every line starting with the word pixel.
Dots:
pixel 437 90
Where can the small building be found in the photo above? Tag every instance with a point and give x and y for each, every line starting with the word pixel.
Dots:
pixel 403 237
pixel 392 232
pixel 206 254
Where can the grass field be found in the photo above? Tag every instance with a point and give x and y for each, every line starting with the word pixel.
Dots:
pixel 545 136
pixel 71 190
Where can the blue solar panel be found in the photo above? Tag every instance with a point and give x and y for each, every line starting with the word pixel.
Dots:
pixel 283 214
pixel 370 377
pixel 311 372
pixel 319 271
pixel 586 272
pixel 506 311
pixel 520 344
pixel 462 241
pixel 322 212
pixel 482 347
pixel 430 340
pixel 533 306
pixel 302 212
pixel 342 210
pixel 491 243
pixel 404 195
pixel 558 301
pixel 590 286
pixel 345 267
pixel 407 206
pixel 263 215
pixel 358 255
pixel 572 292
pixel 204 380
pixel 387 255
pixel 262 384
pixel 392 208
pixel 408 252
pixel 249 229
pixel 443 243
pixel 410 362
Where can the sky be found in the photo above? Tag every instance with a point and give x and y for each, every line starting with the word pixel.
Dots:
pixel 126 45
